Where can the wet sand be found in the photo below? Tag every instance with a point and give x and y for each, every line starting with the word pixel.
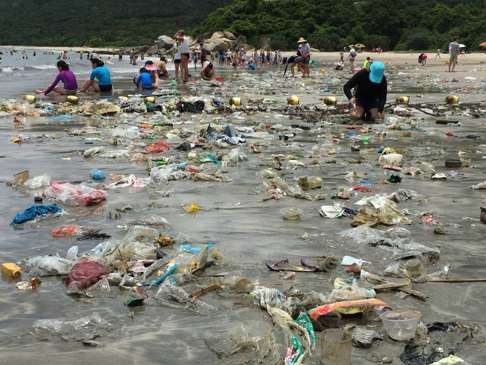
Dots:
pixel 247 230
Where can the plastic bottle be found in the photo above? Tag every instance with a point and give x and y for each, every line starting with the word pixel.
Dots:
pixel 11 270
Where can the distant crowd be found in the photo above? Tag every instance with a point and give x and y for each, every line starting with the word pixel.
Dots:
pixel 366 89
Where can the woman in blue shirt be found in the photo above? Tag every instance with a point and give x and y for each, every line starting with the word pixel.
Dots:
pixel 100 78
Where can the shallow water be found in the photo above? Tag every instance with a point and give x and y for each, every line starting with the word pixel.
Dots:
pixel 246 230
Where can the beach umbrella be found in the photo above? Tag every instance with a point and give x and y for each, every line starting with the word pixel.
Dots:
pixel 482 45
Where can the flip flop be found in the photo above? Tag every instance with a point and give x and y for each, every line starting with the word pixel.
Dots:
pixel 320 264
pixel 284 265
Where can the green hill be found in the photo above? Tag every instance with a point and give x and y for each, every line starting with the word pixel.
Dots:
pixel 330 24
pixel 98 22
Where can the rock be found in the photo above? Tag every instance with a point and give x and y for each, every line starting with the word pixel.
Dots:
pixel 364 338
pixel 165 42
pixel 229 35
pixel 386 360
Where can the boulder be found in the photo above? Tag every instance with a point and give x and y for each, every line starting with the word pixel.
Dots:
pixel 165 42
pixel 218 44
pixel 229 35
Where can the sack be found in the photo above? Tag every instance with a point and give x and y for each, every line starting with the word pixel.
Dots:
pixel 190 107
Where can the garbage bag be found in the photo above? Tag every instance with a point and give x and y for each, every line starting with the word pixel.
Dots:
pixel 36 211
pixel 85 273
pixel 82 329
pixel 190 107
pixel 48 265
pixel 75 194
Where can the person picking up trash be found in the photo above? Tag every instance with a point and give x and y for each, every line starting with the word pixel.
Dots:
pixel 370 92
pixel 207 72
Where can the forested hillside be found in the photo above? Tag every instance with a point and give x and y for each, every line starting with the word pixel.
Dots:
pixel 328 24
pixel 98 22
pixel 331 24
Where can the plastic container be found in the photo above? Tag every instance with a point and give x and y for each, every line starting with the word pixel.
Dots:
pixel 11 270
pixel 336 347
pixel 401 324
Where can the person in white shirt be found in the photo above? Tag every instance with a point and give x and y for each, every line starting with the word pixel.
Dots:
pixel 185 52
pixel 303 59
pixel 454 50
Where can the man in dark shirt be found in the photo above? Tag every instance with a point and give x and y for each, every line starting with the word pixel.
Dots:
pixel 370 89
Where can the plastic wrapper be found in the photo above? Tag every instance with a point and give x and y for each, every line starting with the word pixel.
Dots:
pixel 38 182
pixel 157 147
pixel 48 265
pixel 82 329
pixel 75 194
pixel 348 307
pixel 129 181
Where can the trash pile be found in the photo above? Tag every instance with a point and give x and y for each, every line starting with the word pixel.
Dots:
pixel 362 193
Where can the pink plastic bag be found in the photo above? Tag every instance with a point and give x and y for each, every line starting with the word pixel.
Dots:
pixel 86 273
pixel 157 147
pixel 75 194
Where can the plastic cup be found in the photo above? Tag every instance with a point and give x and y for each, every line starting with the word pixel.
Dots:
pixel 401 325
pixel 365 139
pixel 336 347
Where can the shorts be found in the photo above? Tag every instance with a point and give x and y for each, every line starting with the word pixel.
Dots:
pixel 300 59
pixel 106 88
pixel 177 61
pixel 453 58
pixel 367 103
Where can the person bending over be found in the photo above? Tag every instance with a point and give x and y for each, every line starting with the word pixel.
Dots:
pixel 370 91
pixel 68 79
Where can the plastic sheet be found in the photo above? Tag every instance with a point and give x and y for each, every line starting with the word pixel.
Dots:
pixel 82 329
pixel 48 265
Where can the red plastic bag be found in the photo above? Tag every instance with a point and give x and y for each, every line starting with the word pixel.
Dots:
pixel 157 147
pixel 65 231
pixel 75 194
pixel 86 273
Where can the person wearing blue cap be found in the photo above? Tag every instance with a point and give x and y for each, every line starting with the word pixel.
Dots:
pixel 370 91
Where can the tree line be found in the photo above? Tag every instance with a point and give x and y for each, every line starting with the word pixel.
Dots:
pixel 329 25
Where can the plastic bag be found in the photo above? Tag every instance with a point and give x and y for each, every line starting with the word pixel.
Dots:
pixel 36 211
pixel 97 175
pixel 82 329
pixel 48 265
pixel 391 159
pixel 379 209
pixel 38 182
pixel 75 194
pixel 66 231
pixel 85 273
pixel 157 147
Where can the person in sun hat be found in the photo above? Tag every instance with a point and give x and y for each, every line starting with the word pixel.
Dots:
pixel 370 92
pixel 303 56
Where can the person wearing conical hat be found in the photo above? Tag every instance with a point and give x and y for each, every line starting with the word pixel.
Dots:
pixel 303 56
